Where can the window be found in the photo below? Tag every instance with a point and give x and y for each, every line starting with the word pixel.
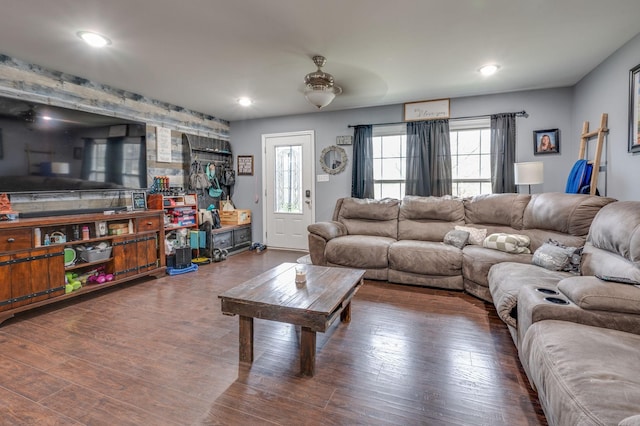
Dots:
pixel 470 158
pixel 389 161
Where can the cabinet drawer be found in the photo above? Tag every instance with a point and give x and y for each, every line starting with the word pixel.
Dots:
pixel 15 239
pixel 149 224
pixel 241 236
pixel 223 240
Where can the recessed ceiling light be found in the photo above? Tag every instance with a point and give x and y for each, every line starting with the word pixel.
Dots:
pixel 94 39
pixel 46 117
pixel 245 102
pixel 489 69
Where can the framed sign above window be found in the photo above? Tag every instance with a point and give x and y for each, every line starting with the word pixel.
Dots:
pixel 427 110
pixel 245 165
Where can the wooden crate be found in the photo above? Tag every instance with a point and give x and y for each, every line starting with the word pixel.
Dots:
pixel 235 217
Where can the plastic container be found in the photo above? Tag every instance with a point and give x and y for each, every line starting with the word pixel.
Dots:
pixel 85 232
pixel 95 255
pixel 37 237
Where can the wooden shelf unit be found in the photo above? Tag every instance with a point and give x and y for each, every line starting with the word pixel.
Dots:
pixel 32 276
pixel 180 212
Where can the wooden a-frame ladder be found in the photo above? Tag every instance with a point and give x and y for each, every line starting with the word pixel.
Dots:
pixel 588 135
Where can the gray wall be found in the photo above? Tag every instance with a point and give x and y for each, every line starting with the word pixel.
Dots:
pixel 547 109
pixel 606 89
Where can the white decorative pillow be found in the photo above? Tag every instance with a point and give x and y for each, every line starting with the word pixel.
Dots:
pixel 476 235
pixel 509 243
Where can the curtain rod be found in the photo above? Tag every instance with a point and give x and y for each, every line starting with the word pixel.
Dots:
pixel 518 114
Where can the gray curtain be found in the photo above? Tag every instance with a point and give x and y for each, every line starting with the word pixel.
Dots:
pixel 362 170
pixel 503 153
pixel 428 158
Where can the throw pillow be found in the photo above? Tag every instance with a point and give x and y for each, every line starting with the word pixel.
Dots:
pixel 456 238
pixel 575 256
pixel 509 243
pixel 552 257
pixel 476 235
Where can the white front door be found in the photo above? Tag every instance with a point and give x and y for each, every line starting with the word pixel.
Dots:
pixel 288 188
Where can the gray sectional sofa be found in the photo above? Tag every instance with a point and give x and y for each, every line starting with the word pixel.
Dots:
pixel 402 241
pixel 578 337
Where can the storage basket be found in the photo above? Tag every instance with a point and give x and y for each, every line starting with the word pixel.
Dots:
pixel 96 255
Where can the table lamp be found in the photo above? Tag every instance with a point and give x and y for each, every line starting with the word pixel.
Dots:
pixel 529 173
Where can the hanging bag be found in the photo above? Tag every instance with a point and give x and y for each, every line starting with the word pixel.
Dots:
pixel 228 176
pixel 215 191
pixel 197 177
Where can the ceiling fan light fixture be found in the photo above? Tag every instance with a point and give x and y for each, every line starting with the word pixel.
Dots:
pixel 320 89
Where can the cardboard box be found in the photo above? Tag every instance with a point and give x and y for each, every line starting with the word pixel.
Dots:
pixel 235 217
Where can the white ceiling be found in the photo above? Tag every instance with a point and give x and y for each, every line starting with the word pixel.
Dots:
pixel 205 54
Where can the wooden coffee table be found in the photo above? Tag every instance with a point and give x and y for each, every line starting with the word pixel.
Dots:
pixel 314 306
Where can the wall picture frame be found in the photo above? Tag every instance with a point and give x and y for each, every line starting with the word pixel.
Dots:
pixel 634 109
pixel 139 200
pixel 344 140
pixel 546 141
pixel 437 109
pixel 245 165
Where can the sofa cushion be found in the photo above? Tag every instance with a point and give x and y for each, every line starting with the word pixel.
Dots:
pixel 565 213
pixel 496 209
pixel 584 375
pixel 477 260
pixel 359 251
pixel 616 228
pixel 592 293
pixel 553 257
pixel 507 278
pixel 425 257
pixel 370 217
pixel 509 243
pixel 456 238
pixel 476 235
pixel 428 218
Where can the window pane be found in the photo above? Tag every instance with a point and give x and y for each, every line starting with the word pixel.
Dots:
pixel 377 169
pixel 485 188
pixel 485 166
pixel 485 139
pixel 288 179
pixel 377 147
pixel 392 168
pixel 467 189
pixel 468 166
pixel 468 142
pixel 391 146
pixel 390 190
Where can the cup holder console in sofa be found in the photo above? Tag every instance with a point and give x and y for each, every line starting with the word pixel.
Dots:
pixel 547 291
pixel 557 300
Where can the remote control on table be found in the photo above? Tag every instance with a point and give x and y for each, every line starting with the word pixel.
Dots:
pixel 621 280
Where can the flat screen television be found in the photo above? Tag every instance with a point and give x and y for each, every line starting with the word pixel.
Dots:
pixel 48 148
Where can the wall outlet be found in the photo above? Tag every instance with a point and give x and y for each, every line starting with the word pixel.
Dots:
pixel 322 178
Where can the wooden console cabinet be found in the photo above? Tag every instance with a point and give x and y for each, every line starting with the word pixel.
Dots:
pixel 33 275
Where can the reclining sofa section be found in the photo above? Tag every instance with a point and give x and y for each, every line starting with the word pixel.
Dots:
pixel 402 241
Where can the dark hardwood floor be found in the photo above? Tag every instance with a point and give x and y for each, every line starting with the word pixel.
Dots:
pixel 159 352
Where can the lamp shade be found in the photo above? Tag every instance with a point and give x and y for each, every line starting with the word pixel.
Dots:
pixel 320 97
pixel 529 173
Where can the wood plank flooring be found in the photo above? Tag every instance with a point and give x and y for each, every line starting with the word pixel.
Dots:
pixel 159 352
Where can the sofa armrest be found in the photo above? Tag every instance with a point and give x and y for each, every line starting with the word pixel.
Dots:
pixel 327 230
pixel 535 306
pixel 593 294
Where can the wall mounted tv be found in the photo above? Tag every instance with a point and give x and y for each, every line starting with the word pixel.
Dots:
pixel 47 148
